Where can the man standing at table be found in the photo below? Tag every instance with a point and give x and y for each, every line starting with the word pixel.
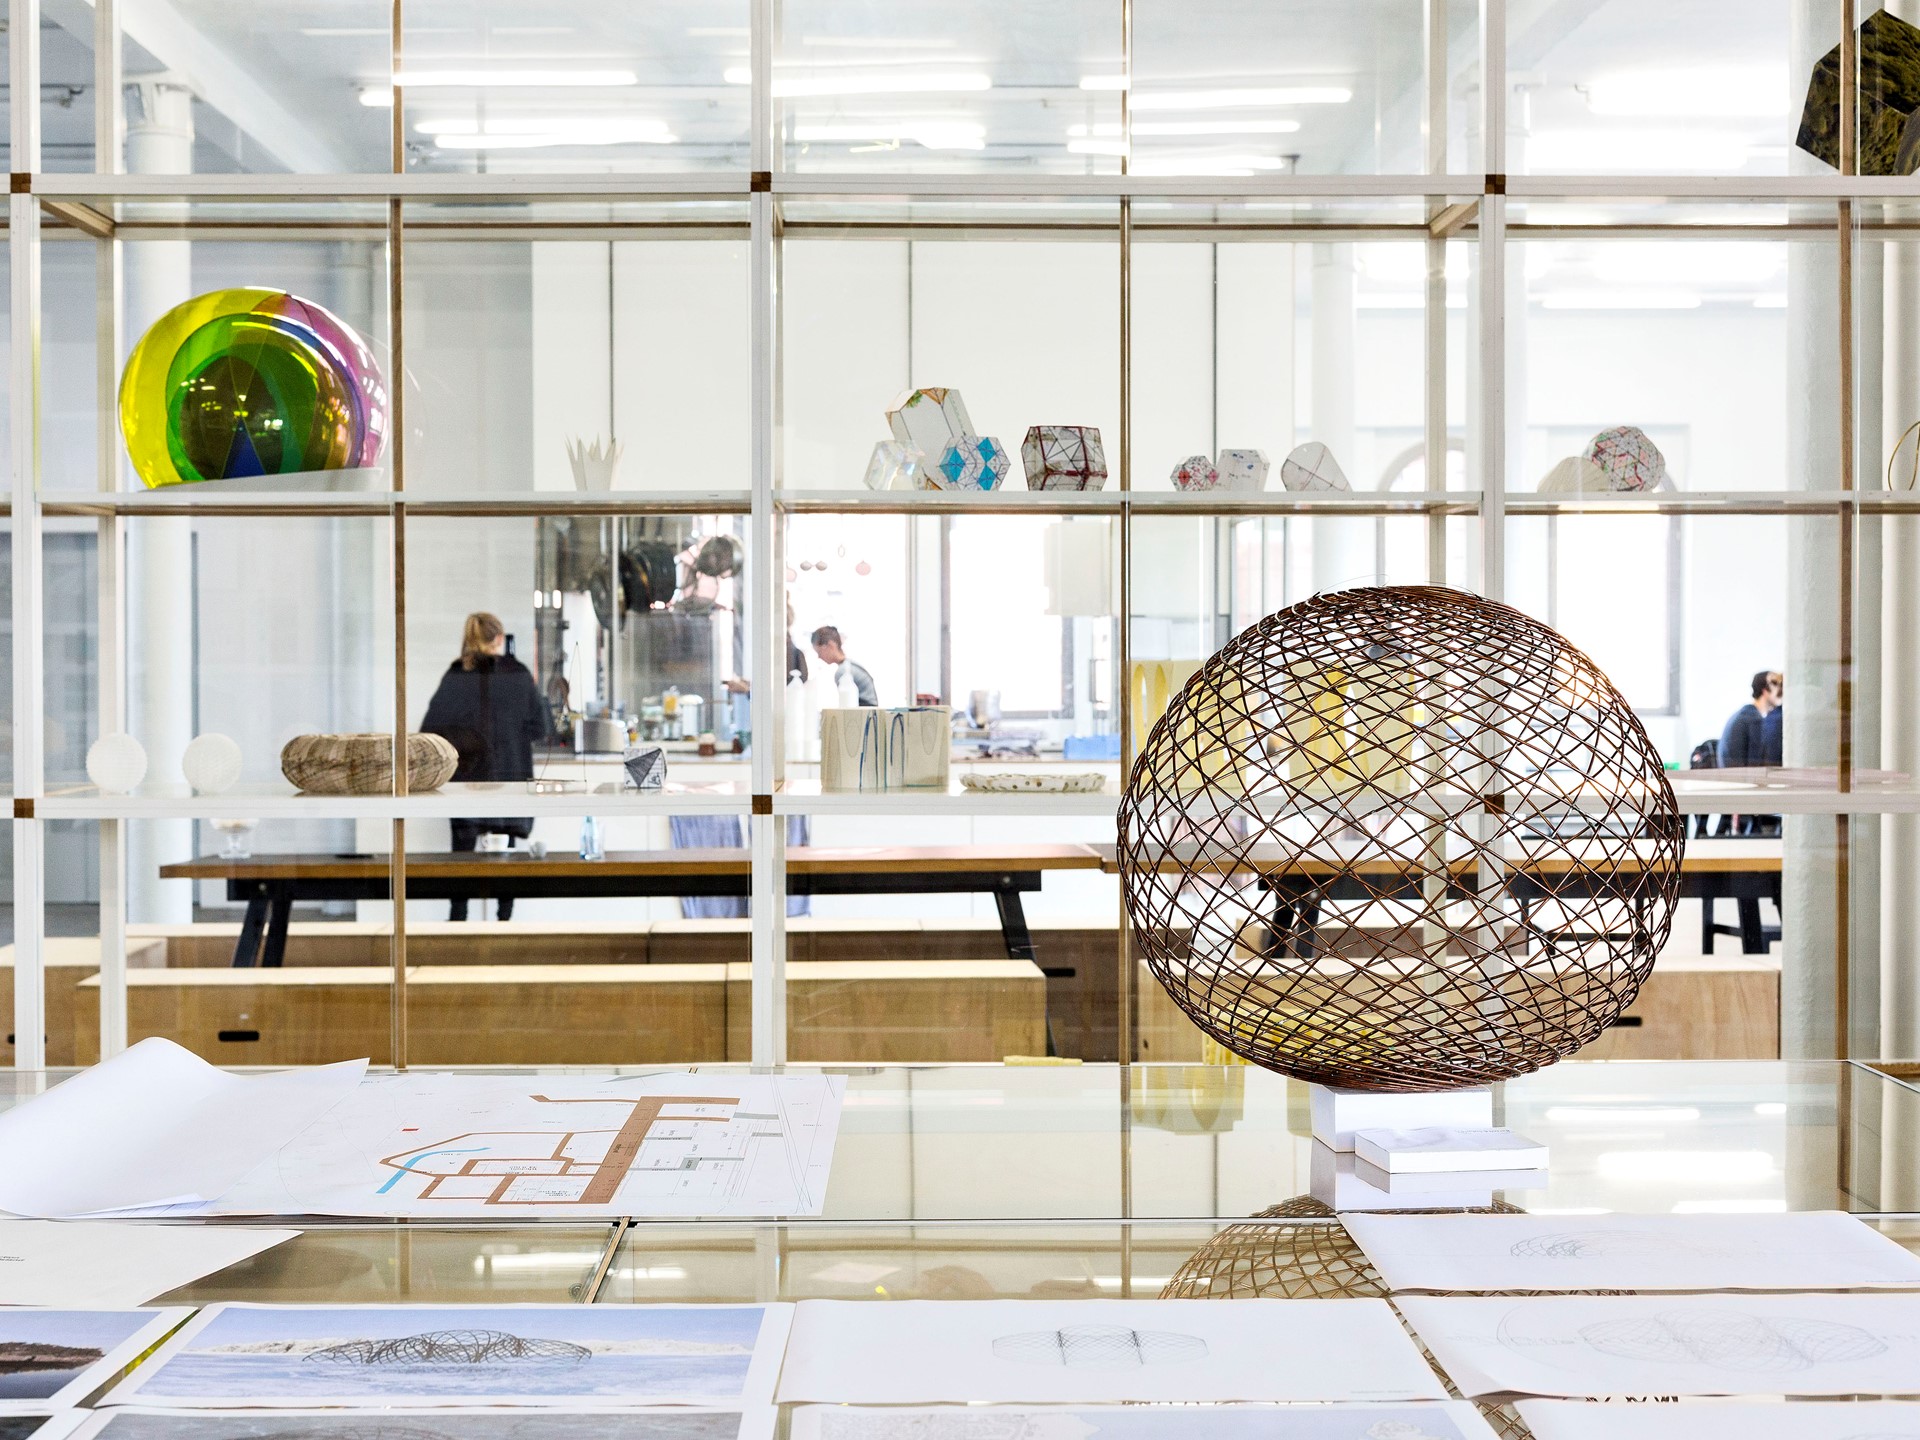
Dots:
pixel 828 646
pixel 1753 736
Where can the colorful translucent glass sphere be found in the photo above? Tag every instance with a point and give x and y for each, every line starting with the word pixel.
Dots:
pixel 250 382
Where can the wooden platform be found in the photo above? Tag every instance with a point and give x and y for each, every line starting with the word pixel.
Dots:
pixel 859 1013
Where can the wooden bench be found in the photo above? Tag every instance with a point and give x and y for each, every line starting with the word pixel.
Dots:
pixel 69 961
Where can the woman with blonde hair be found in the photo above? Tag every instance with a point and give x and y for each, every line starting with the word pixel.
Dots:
pixel 491 711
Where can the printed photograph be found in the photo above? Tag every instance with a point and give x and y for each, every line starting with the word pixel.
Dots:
pixel 543 1425
pixel 44 1351
pixel 631 1354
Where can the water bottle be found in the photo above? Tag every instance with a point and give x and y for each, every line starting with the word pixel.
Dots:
pixel 590 840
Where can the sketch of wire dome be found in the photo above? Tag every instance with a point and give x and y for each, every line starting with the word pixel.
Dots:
pixel 1400 838
pixel 1749 1344
pixel 450 1347
pixel 1605 1244
pixel 1100 1347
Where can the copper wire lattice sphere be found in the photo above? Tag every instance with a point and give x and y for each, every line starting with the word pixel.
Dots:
pixel 1400 838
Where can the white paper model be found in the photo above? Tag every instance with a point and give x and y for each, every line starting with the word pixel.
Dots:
pixel 53 1358
pixel 1443 1148
pixel 487 1147
pixel 154 1126
pixel 237 1356
pixel 1823 1250
pixel 140 1423
pixel 1451 1420
pixel 53 1262
pixel 1602 1346
pixel 1722 1420
pixel 1100 1352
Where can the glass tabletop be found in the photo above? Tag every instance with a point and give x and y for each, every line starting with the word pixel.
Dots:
pixel 1017 1143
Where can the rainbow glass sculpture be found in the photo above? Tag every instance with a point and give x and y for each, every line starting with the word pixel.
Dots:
pixel 250 382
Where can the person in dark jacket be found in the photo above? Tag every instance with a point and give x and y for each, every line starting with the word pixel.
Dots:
pixel 489 708
pixel 1753 737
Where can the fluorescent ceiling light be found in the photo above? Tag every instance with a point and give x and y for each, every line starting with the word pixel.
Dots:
pixel 881 42
pixel 1770 1107
pixel 1190 127
pixel 1699 262
pixel 1239 99
pixel 930 134
pixel 886 82
pixel 1719 91
pixel 1618 300
pixel 1657 1167
pixel 507 133
pixel 1103 82
pixel 1230 165
pixel 1628 151
pixel 482 79
pixel 1730 1207
pixel 1621 1114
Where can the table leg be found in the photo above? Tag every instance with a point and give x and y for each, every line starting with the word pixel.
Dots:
pixel 246 947
pixel 276 947
pixel 1013 923
pixel 1753 940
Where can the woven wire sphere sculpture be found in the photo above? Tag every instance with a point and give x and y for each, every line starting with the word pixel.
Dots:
pixel 1400 838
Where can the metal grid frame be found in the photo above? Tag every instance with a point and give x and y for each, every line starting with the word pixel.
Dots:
pixel 1457 205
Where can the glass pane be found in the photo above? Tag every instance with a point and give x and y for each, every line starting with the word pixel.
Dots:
pixel 1637 88
pixel 970 87
pixel 494 87
pixel 631 351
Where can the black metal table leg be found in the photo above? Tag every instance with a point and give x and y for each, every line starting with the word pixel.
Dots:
pixel 247 946
pixel 1013 923
pixel 275 951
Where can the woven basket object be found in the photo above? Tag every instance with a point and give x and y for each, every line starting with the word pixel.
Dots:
pixel 1400 838
pixel 363 764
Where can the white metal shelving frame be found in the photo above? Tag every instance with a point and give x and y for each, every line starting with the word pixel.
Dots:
pixel 1456 205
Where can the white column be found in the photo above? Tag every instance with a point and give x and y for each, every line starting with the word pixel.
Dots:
pixel 1900 654
pixel 160 598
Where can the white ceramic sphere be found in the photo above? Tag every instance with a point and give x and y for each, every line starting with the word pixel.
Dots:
pixel 211 764
pixel 116 763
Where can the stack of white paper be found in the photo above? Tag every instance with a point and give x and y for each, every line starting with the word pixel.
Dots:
pixel 1820 1250
pixel 1606 1346
pixel 155 1127
pixel 1437 1149
pixel 1722 1420
pixel 1451 1420
pixel 1089 1352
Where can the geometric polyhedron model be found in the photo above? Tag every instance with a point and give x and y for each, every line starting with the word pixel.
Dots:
pixel 973 462
pixel 1242 469
pixel 1628 459
pixel 1889 100
pixel 1196 472
pixel 892 466
pixel 1575 475
pixel 1063 457
pixel 1400 838
pixel 929 420
pixel 249 382
pixel 1312 467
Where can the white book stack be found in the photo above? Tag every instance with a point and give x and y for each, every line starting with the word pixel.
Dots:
pixel 1443 1157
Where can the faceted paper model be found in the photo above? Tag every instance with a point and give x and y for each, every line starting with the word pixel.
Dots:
pixel 1312 467
pixel 929 420
pixel 892 466
pixel 1243 469
pixel 1063 457
pixel 249 382
pixel 1400 838
pixel 1628 459
pixel 1889 100
pixel 1575 475
pixel 973 462
pixel 1196 472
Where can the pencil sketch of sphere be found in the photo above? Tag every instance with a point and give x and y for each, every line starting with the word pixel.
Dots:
pixel 1603 1245
pixel 1748 1344
pixel 450 1347
pixel 1400 838
pixel 1100 1347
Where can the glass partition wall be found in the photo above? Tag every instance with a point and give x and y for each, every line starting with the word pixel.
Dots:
pixel 1451 243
